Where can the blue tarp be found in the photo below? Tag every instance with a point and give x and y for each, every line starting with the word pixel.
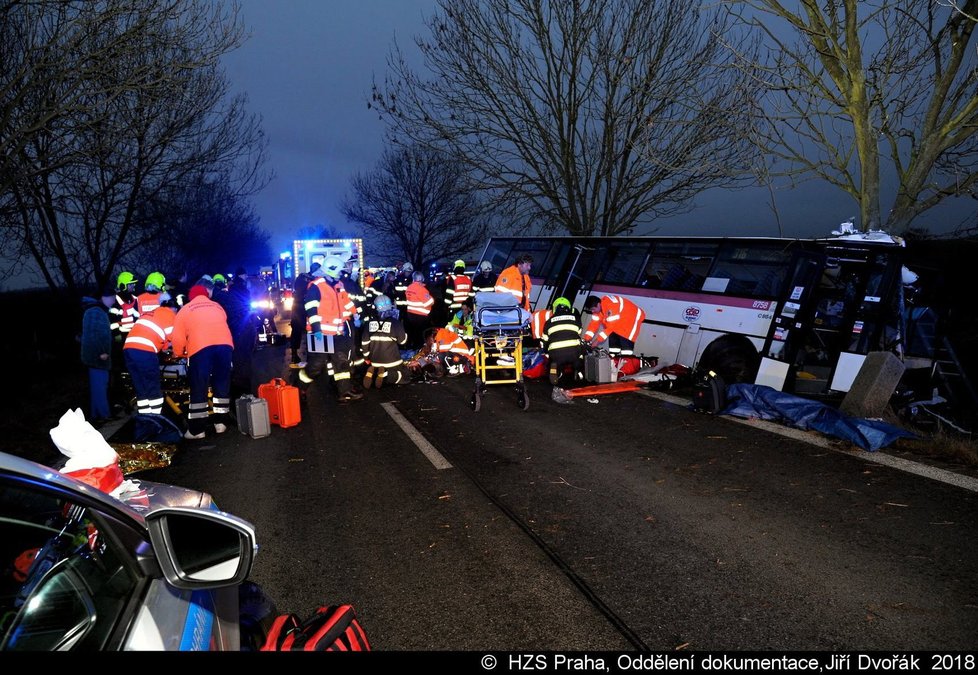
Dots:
pixel 766 403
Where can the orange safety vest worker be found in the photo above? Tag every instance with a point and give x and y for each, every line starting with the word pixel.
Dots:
pixel 324 313
pixel 419 300
pixel 200 323
pixel 615 315
pixel 449 341
pixel 516 284
pixel 151 332
pixel 149 336
pixel 538 321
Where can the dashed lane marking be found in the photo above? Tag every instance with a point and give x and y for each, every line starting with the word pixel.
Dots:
pixel 426 448
pixel 934 473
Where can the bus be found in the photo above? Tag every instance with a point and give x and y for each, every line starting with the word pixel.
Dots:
pixel 812 308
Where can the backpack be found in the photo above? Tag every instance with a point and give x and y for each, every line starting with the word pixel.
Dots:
pixel 330 629
pixel 709 392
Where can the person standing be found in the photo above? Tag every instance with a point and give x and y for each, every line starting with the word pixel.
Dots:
pixel 383 336
pixel 561 338
pixel 419 304
pixel 615 319
pixel 152 295
pixel 459 288
pixel 325 318
pixel 148 337
pixel 515 280
pixel 125 309
pixel 96 353
pixel 243 324
pixel 201 333
pixel 297 321
pixel 401 282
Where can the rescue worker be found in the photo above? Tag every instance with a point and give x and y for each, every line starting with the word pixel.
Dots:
pixel 243 324
pixel 201 333
pixel 383 285
pixel 462 321
pixel 419 304
pixel 458 288
pixel 152 295
pixel 148 338
pixel 537 322
pixel 515 280
pixel 561 338
pixel 297 321
pixel 615 319
pixel 401 282
pixel 443 351
pixel 484 280
pixel 125 311
pixel 325 317
pixel 382 338
pixel 354 305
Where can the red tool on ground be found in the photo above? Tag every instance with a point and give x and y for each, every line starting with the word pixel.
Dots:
pixel 609 388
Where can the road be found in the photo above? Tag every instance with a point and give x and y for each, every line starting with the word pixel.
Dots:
pixel 627 523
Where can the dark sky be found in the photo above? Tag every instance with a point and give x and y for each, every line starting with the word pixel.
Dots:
pixel 307 70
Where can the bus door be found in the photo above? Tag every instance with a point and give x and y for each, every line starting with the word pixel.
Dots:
pixel 792 321
pixel 577 281
pixel 549 268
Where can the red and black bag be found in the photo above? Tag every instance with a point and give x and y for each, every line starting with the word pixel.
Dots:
pixel 330 629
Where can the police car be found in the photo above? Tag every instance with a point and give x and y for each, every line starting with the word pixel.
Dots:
pixel 159 568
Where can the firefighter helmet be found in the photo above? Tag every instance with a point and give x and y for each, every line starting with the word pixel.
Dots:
pixel 407 268
pixel 123 280
pixel 219 279
pixel 561 302
pixel 382 304
pixel 333 265
pixel 155 282
pixel 460 264
pixel 485 266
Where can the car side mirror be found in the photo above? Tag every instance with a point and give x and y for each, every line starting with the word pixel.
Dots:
pixel 199 549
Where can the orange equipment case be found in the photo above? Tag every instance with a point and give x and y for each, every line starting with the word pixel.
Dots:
pixel 283 402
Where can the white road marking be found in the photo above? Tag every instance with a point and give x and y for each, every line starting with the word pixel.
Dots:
pixel 426 448
pixel 942 475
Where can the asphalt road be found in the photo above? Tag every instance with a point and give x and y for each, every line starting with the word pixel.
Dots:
pixel 627 523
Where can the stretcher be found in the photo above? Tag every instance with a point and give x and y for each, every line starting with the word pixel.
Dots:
pixel 498 331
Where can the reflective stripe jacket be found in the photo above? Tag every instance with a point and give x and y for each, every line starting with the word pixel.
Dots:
pixel 448 341
pixel 561 331
pixel 514 283
pixel 147 302
pixel 459 288
pixel 539 320
pixel 419 300
pixel 483 283
pixel 122 315
pixel 616 315
pixel 381 342
pixel 323 310
pixel 151 333
pixel 200 323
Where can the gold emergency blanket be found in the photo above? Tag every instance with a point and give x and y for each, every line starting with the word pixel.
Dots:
pixel 135 457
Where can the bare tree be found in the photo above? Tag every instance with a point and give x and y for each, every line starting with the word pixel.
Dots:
pixel 156 121
pixel 593 116
pixel 416 205
pixel 861 90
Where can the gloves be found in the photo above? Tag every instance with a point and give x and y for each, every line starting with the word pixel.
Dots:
pixel 318 334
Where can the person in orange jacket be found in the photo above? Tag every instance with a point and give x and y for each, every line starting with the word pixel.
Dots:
pixel 201 333
pixel 615 319
pixel 515 280
pixel 419 304
pixel 149 336
pixel 444 350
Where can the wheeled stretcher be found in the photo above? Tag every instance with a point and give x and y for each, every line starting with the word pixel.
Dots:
pixel 498 330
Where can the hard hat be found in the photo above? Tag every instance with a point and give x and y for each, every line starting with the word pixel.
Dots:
pixel 418 276
pixel 155 280
pixel 124 279
pixel 219 279
pixel 460 263
pixel 485 266
pixel 333 265
pixel 407 268
pixel 382 304
pixel 561 302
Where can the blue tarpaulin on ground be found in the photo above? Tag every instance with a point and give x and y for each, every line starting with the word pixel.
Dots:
pixel 767 403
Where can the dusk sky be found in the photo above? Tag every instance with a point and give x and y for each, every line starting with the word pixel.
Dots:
pixel 307 70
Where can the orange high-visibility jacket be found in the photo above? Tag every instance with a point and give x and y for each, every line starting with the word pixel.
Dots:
pixel 617 315
pixel 515 284
pixel 323 310
pixel 449 341
pixel 347 307
pixel 151 332
pixel 539 320
pixel 419 300
pixel 147 302
pixel 200 323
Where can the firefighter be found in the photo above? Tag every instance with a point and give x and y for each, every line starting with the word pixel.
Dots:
pixel 297 321
pixel 152 295
pixel 201 333
pixel 148 338
pixel 484 280
pixel 125 311
pixel 561 338
pixel 401 282
pixel 325 318
pixel 459 287
pixel 382 338
pixel 615 319
pixel 354 303
pixel 443 351
pixel 515 280
pixel 419 304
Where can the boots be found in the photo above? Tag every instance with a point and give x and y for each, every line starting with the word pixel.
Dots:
pixel 368 377
pixel 379 378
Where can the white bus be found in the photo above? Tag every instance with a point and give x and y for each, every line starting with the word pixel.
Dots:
pixel 813 308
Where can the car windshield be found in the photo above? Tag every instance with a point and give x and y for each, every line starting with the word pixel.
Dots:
pixel 62 584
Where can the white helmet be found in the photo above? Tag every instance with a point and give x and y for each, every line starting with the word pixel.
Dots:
pixel 333 265
pixel 485 266
pixel 407 268
pixel 418 276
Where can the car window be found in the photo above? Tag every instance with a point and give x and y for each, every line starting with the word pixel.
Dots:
pixel 63 582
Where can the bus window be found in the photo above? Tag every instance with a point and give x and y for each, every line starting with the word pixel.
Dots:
pixel 624 263
pixel 498 253
pixel 679 266
pixel 750 269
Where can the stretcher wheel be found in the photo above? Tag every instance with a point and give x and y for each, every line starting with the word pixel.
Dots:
pixel 476 401
pixel 524 401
